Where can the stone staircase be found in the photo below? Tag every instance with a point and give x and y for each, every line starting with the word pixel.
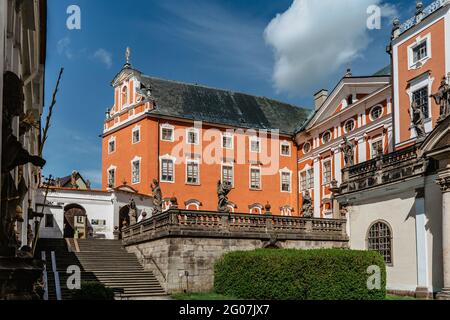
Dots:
pixel 105 261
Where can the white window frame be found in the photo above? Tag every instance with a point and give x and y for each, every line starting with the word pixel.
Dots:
pixel 300 180
pixel 420 63
pixel 323 135
pixel 112 168
pixel 170 158
pixel 325 161
pixel 372 109
pixel 136 129
pixel 167 127
pixel 230 136
pixel 188 162
pixel 289 172
pixel 221 172
pixel 285 144
pixel 345 125
pixel 197 135
pixel 255 139
pixel 112 139
pixel 139 161
pixel 250 178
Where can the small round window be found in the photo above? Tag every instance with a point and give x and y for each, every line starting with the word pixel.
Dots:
pixel 326 137
pixel 349 126
pixel 306 147
pixel 376 113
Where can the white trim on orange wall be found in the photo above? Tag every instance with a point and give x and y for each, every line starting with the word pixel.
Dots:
pixel 447 43
pixel 418 41
pixel 317 187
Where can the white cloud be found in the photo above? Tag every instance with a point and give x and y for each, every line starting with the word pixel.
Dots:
pixel 104 57
pixel 63 48
pixel 314 39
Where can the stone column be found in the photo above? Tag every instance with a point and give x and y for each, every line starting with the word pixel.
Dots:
pixel 317 187
pixel 444 183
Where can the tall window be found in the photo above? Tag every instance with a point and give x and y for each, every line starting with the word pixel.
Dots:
pixel 380 240
pixel 192 174
pixel 167 170
pixel 421 98
pixel 192 136
pixel 327 172
pixel 167 133
pixel 420 52
pixel 307 180
pixel 111 177
pixel 136 171
pixel 303 181
pixel 286 182
pixel 310 181
pixel 227 141
pixel 227 175
pixel 255 179
pixel 136 135
pixel 255 145
pixel 112 146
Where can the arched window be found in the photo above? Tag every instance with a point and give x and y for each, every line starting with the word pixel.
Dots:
pixel 380 240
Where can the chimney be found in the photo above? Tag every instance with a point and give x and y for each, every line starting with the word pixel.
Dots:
pixel 319 98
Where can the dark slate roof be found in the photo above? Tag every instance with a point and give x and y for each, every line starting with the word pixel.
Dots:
pixel 386 71
pixel 217 106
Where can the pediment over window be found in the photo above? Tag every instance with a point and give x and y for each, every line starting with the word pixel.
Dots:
pixel 347 93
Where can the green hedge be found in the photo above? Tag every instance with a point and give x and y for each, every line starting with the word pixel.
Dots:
pixel 328 274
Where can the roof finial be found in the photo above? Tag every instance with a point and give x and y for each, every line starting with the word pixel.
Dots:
pixel 127 55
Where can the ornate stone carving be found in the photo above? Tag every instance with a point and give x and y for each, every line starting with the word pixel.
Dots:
pixel 13 156
pixel 347 150
pixel 223 189
pixel 157 197
pixel 417 119
pixel 132 212
pixel 307 206
pixel 442 98
pixel 444 184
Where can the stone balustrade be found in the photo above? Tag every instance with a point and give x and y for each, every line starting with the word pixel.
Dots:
pixel 388 168
pixel 177 222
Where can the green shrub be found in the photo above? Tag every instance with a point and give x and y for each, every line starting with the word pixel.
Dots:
pixel 326 274
pixel 93 291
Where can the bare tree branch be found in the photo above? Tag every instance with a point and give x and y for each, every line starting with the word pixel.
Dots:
pixel 49 116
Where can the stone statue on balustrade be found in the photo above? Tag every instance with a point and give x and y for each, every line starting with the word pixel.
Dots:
pixel 442 98
pixel 307 205
pixel 223 189
pixel 132 212
pixel 348 151
pixel 13 156
pixel 157 197
pixel 417 119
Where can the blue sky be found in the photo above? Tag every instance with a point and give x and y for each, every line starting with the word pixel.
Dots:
pixel 219 43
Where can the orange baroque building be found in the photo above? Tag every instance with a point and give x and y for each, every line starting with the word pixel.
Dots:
pixel 189 137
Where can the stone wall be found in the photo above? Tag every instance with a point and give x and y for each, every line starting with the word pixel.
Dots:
pixel 182 258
